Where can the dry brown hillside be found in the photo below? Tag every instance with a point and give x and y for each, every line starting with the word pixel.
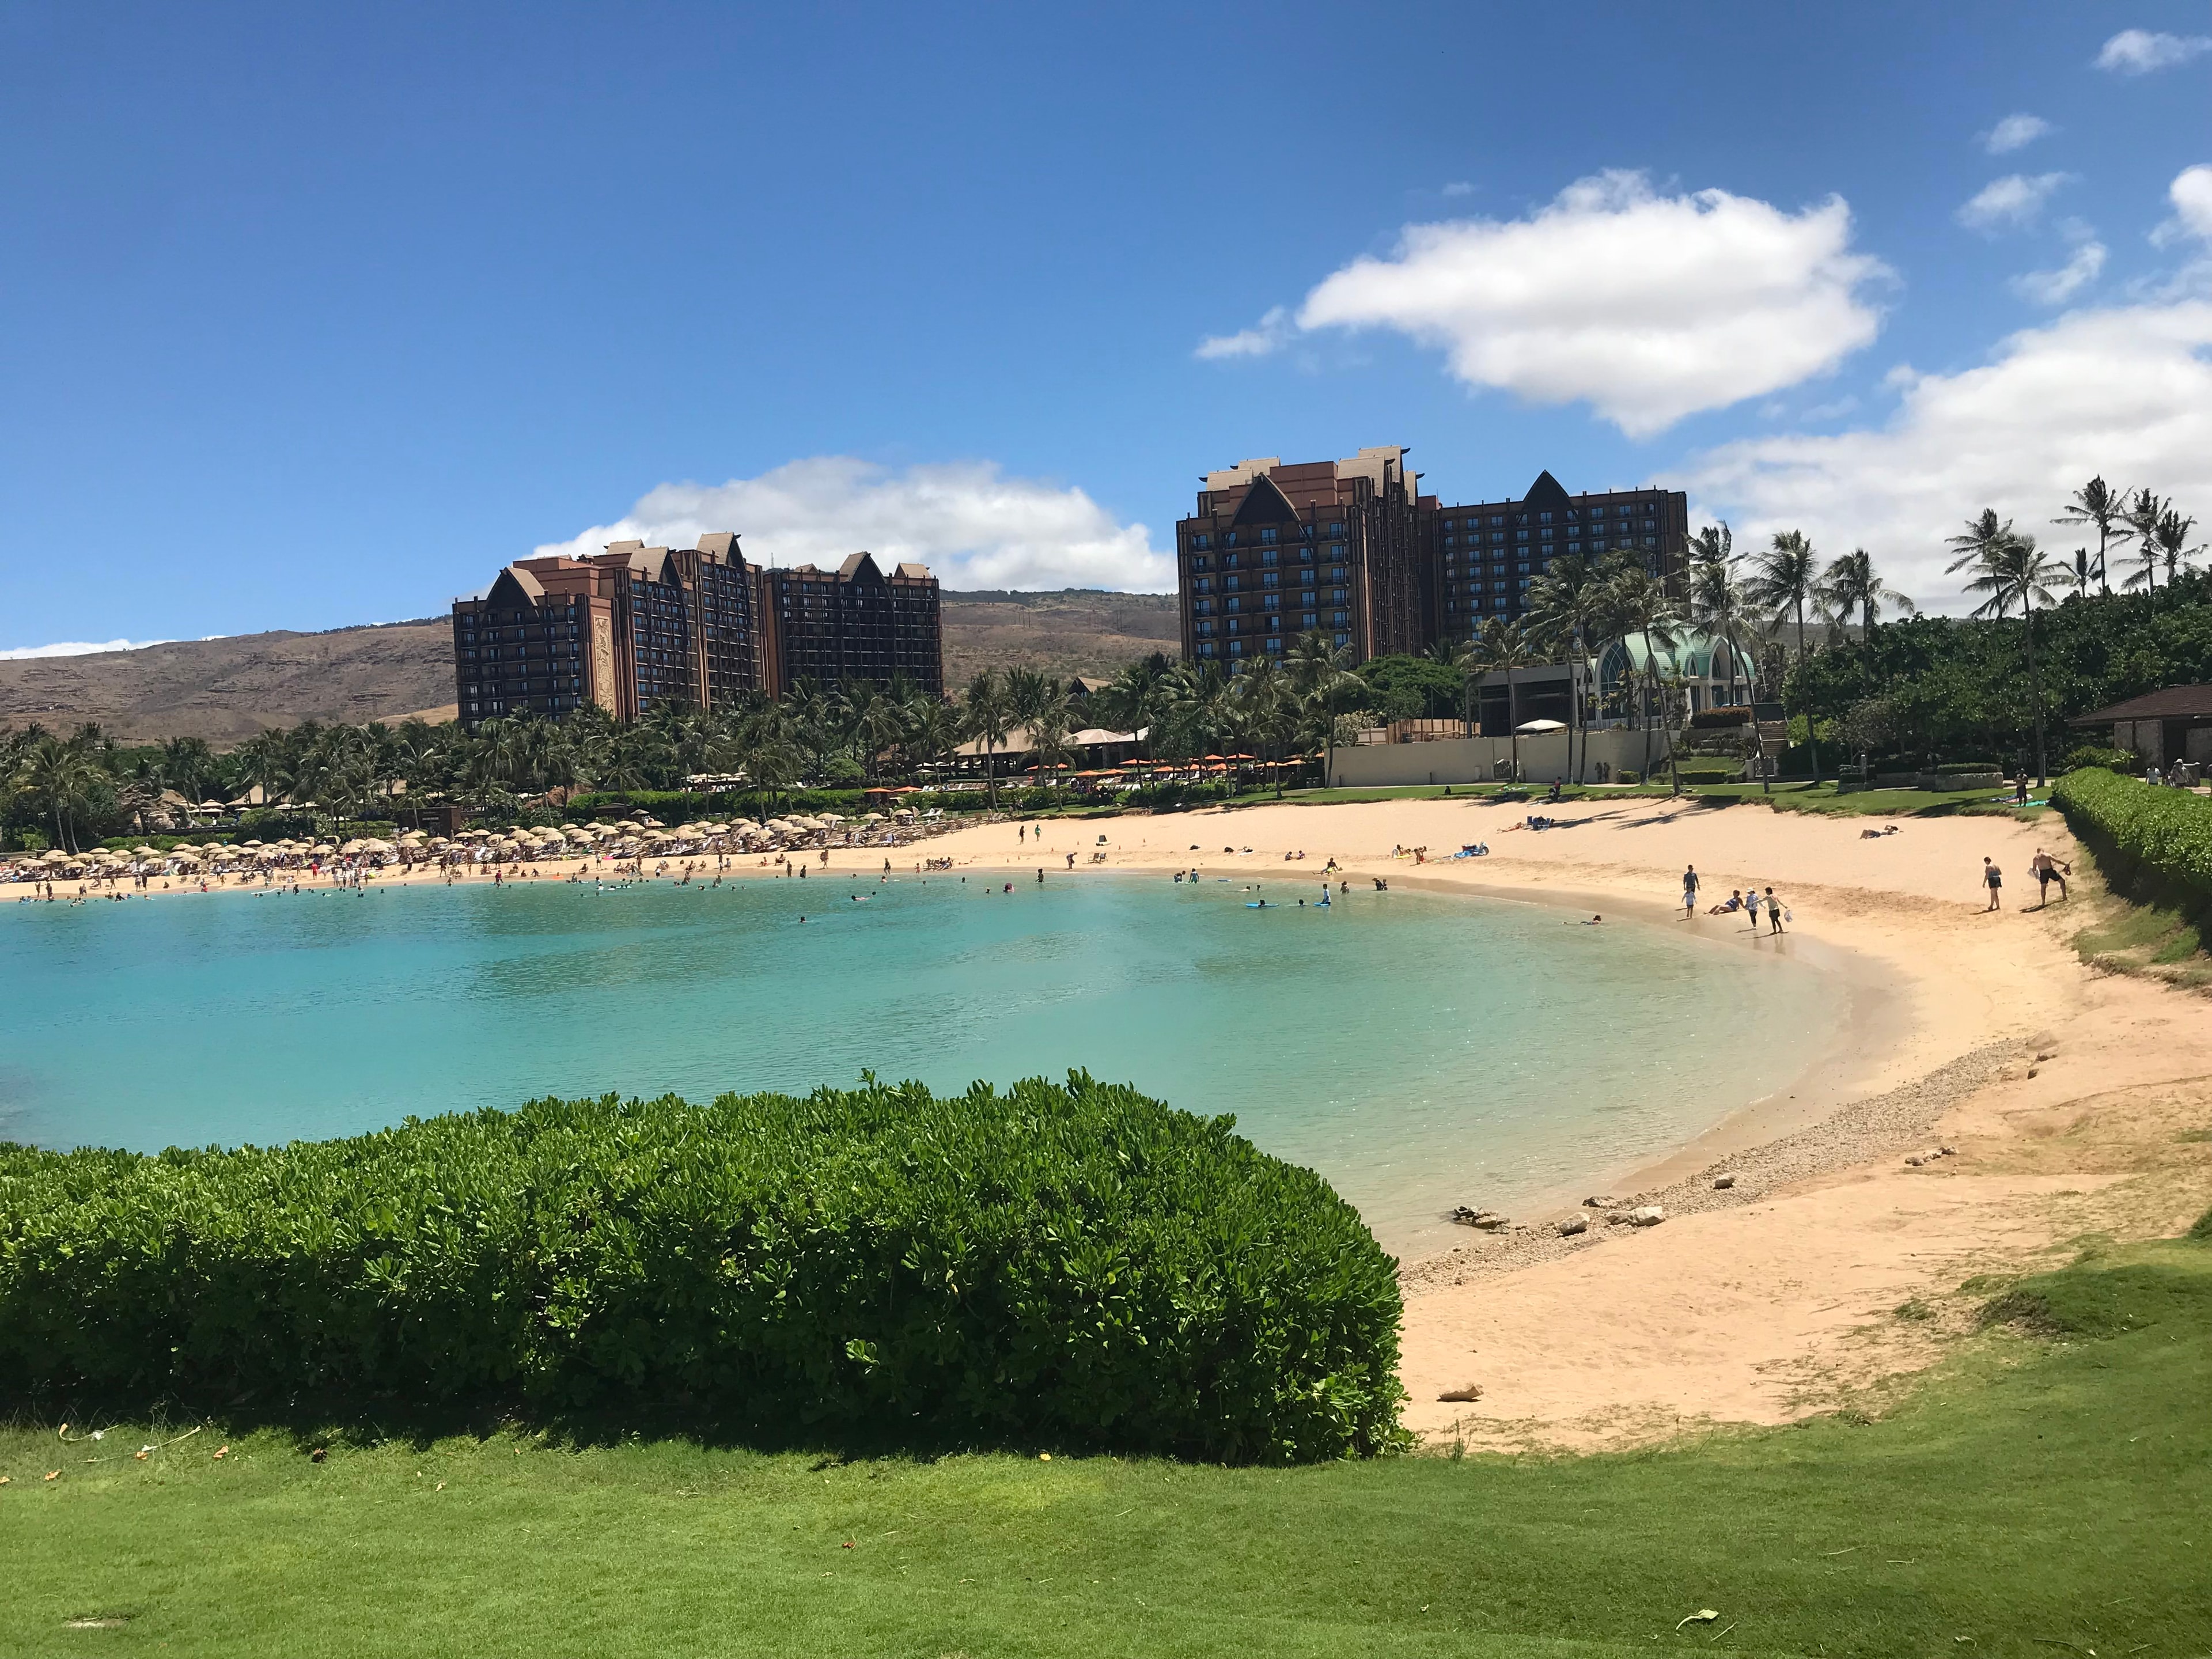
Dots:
pixel 226 690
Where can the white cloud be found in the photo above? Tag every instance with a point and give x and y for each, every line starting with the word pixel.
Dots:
pixel 1272 330
pixel 2138 52
pixel 973 526
pixel 1651 308
pixel 2190 192
pixel 2123 391
pixel 74 648
pixel 2014 132
pixel 2014 199
pixel 1459 187
pixel 2055 288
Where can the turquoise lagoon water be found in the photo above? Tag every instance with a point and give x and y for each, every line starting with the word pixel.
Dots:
pixel 1420 1050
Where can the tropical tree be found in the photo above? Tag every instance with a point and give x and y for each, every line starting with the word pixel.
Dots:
pixel 1851 584
pixel 2018 570
pixel 1718 604
pixel 1566 605
pixel 2099 504
pixel 62 776
pixel 2144 511
pixel 985 717
pixel 1320 674
pixel 1783 581
pixel 1503 647
pixel 1649 611
pixel 1267 708
pixel 2171 535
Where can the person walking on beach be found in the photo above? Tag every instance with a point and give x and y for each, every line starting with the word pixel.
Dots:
pixel 1690 892
pixel 1992 879
pixel 1751 905
pixel 2047 870
pixel 1773 912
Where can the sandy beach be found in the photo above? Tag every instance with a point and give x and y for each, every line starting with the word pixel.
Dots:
pixel 2066 1095
pixel 1830 1264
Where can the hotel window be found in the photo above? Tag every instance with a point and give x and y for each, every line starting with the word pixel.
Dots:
pixel 1306 578
pixel 1543 518
pixel 1235 605
pixel 1201 564
pixel 1310 619
pixel 1271 579
pixel 1206 648
pixel 1521 535
pixel 1232 583
pixel 1341 619
pixel 1205 584
pixel 1343 639
pixel 1269 533
pixel 1273 601
pixel 1201 607
pixel 1305 555
pixel 1202 542
pixel 1271 556
pixel 1336 549
pixel 1497 536
pixel 1235 647
pixel 1336 596
pixel 1336 573
pixel 1336 530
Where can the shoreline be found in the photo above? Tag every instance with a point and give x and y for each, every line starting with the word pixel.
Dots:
pixel 2077 1103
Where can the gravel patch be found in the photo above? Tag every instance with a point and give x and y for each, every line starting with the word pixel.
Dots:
pixel 1902 1119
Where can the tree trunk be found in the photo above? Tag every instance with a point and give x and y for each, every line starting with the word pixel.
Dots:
pixel 2035 691
pixel 1812 743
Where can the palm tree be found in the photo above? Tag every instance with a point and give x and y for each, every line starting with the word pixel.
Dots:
pixel 2143 514
pixel 1131 701
pixel 1267 708
pixel 2020 570
pixel 1851 584
pixel 2172 534
pixel 1783 579
pixel 1982 544
pixel 63 777
pixel 1049 748
pixel 2098 504
pixel 1503 648
pixel 1320 673
pixel 1718 604
pixel 984 715
pixel 1564 606
pixel 1649 611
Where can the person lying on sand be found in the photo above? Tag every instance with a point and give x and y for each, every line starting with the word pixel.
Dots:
pixel 1735 902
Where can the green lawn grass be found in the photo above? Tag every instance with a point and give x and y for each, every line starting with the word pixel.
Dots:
pixel 2052 1487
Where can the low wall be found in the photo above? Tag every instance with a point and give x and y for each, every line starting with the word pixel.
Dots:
pixel 1490 760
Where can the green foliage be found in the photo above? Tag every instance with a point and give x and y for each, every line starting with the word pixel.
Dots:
pixel 2152 844
pixel 1076 1265
pixel 2202 1229
pixel 1962 688
pixel 1404 688
pixel 2112 760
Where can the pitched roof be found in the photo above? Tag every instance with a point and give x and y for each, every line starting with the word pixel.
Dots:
pixel 1265 503
pixel 850 570
pixel 2175 703
pixel 1547 491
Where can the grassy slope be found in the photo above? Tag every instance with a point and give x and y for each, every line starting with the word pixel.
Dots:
pixel 2055 1486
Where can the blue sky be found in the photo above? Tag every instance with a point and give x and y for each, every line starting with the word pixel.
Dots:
pixel 312 316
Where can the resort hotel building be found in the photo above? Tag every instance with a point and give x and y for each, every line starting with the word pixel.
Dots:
pixel 1353 548
pixel 638 628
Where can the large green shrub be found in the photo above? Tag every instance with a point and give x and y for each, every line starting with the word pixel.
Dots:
pixel 1059 1264
pixel 2153 844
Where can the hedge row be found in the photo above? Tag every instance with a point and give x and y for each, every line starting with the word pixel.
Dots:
pixel 2153 844
pixel 1064 1265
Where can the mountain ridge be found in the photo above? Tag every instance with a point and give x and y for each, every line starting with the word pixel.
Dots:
pixel 227 688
